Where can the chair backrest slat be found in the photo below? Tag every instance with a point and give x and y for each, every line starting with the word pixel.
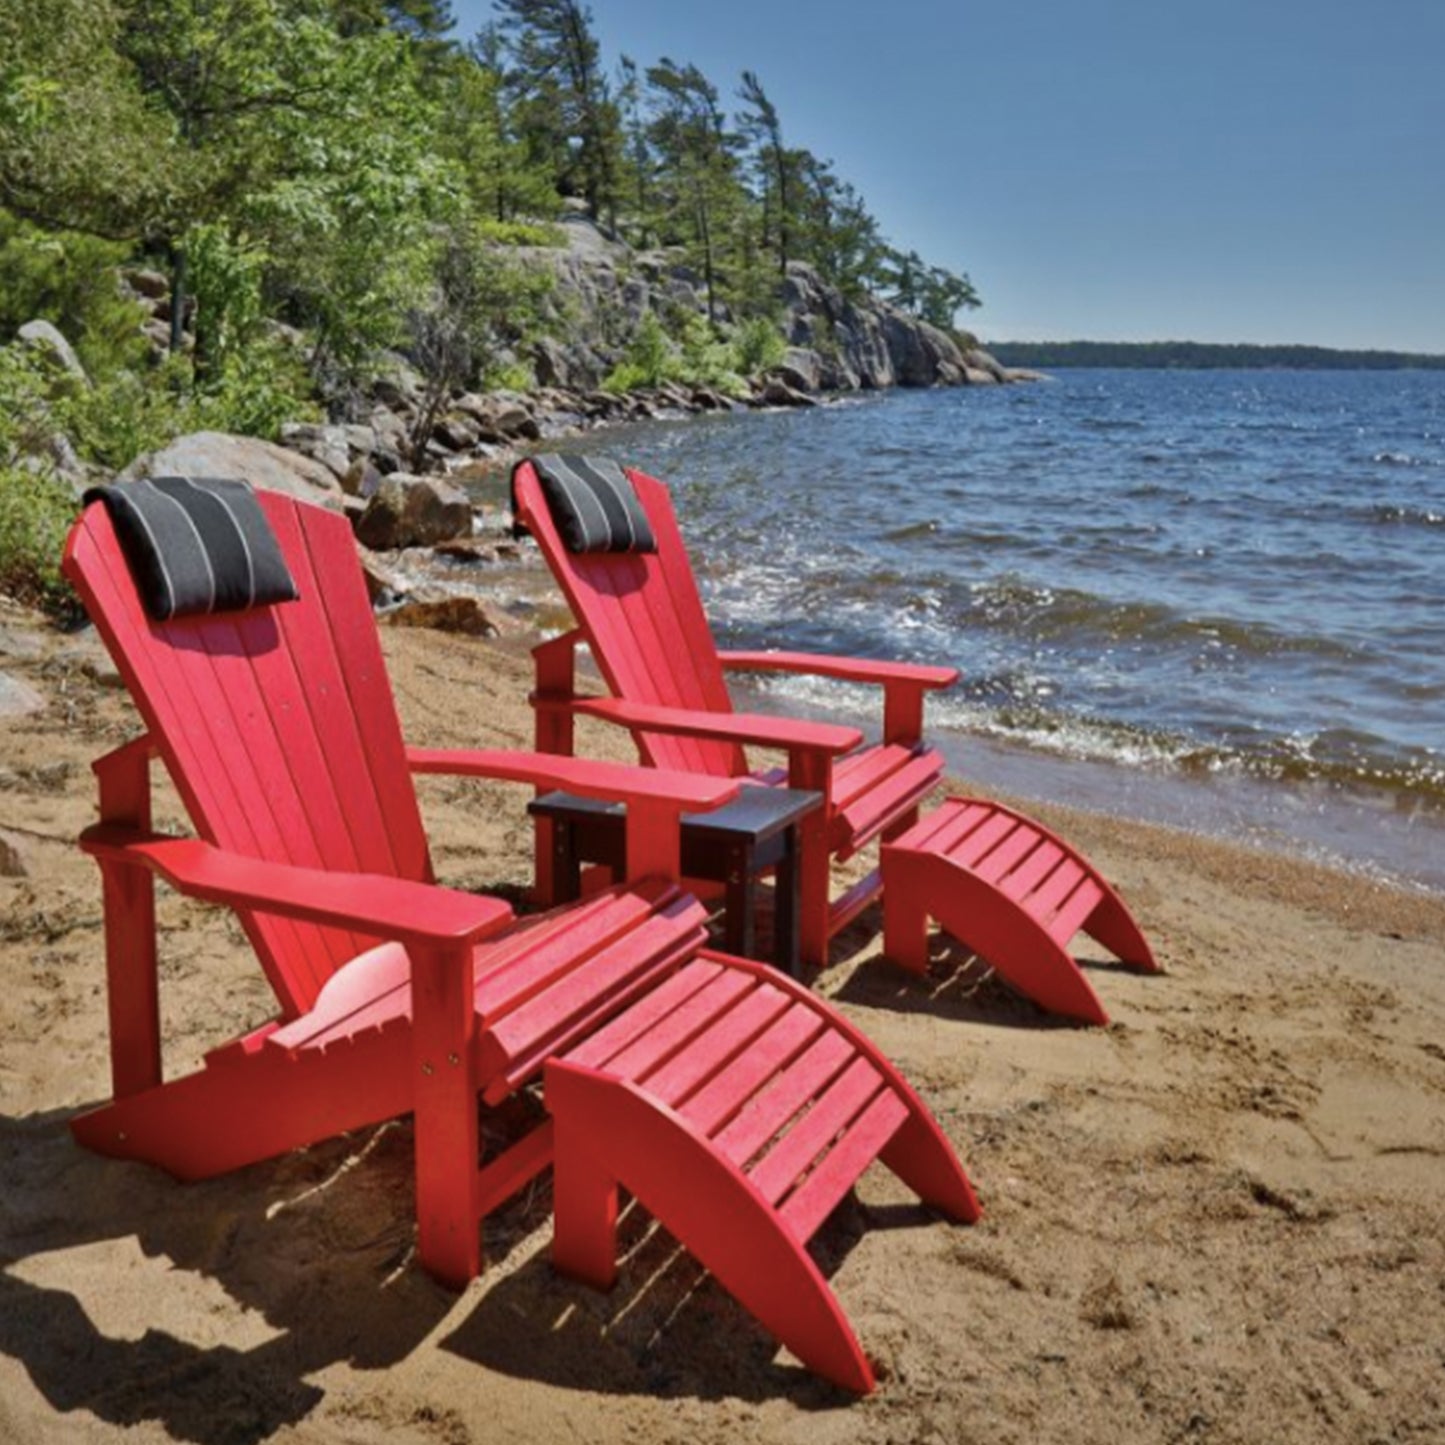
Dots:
pixel 643 617
pixel 277 725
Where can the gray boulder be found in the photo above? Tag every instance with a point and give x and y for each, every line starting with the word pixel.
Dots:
pixel 41 336
pixel 458 432
pixel 778 393
pixel 801 368
pixel 265 465
pixel 922 355
pixel 328 445
pixel 411 511
pixel 979 360
pixel 148 283
pixel 362 478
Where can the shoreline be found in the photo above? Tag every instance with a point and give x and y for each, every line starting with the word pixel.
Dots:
pixel 1312 823
pixel 1356 825
pixel 1372 833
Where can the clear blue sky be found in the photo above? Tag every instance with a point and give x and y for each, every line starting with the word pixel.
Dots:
pixel 1217 170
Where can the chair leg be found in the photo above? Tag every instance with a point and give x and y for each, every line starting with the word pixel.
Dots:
pixel 584 1210
pixel 1113 925
pixel 905 916
pixel 443 1023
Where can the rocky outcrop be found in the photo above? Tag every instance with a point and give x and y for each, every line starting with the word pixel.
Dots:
pixel 602 290
pixel 852 344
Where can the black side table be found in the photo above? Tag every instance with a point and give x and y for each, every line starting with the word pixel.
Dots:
pixel 732 845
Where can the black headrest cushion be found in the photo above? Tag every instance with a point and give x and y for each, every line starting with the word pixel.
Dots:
pixel 594 504
pixel 197 545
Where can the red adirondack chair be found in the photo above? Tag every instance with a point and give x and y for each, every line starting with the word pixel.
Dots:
pixel 734 1106
pixel 643 619
pixel 1003 885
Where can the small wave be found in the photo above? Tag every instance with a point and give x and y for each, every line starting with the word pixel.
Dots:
pixel 1333 758
pixel 911 531
pixel 1400 459
pixel 1147 491
pixel 1063 614
pixel 1387 515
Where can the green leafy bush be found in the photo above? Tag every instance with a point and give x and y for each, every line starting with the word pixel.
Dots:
pixel 115 420
pixel 758 346
pixel 707 360
pixel 36 511
pixel 522 233
pixel 70 281
pixel 27 407
pixel 649 360
pixel 509 376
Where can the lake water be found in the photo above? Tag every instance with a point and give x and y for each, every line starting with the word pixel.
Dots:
pixel 1213 598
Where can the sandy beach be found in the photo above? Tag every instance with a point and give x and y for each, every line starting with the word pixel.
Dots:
pixel 1217 1220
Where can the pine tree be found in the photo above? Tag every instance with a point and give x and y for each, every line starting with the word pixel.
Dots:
pixel 564 105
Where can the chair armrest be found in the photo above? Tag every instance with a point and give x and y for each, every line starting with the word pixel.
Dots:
pixel 612 782
pixel 372 903
pixel 736 727
pixel 848 669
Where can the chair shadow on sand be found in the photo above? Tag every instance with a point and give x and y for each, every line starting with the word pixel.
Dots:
pixel 317 1247
pixel 667 1330
pixel 328 1286
pixel 959 986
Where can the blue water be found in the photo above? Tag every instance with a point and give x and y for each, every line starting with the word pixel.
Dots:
pixel 1230 585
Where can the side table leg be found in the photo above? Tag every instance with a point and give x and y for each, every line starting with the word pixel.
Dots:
pixel 787 939
pixel 739 929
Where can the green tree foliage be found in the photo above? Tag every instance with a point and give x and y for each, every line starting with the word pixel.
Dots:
pixel 479 135
pixel 696 169
pixel 479 303
pixel 561 97
pixel 933 293
pixel 775 169
pixel 424 20
pixel 80 149
pixel 348 168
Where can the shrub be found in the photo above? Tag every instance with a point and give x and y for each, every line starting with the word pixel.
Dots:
pixel 706 360
pixel 509 376
pixel 70 281
pixel 522 233
pixel 758 346
pixel 27 410
pixel 36 511
pixel 649 360
pixel 256 389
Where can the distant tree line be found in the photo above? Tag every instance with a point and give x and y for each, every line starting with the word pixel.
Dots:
pixel 1187 355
